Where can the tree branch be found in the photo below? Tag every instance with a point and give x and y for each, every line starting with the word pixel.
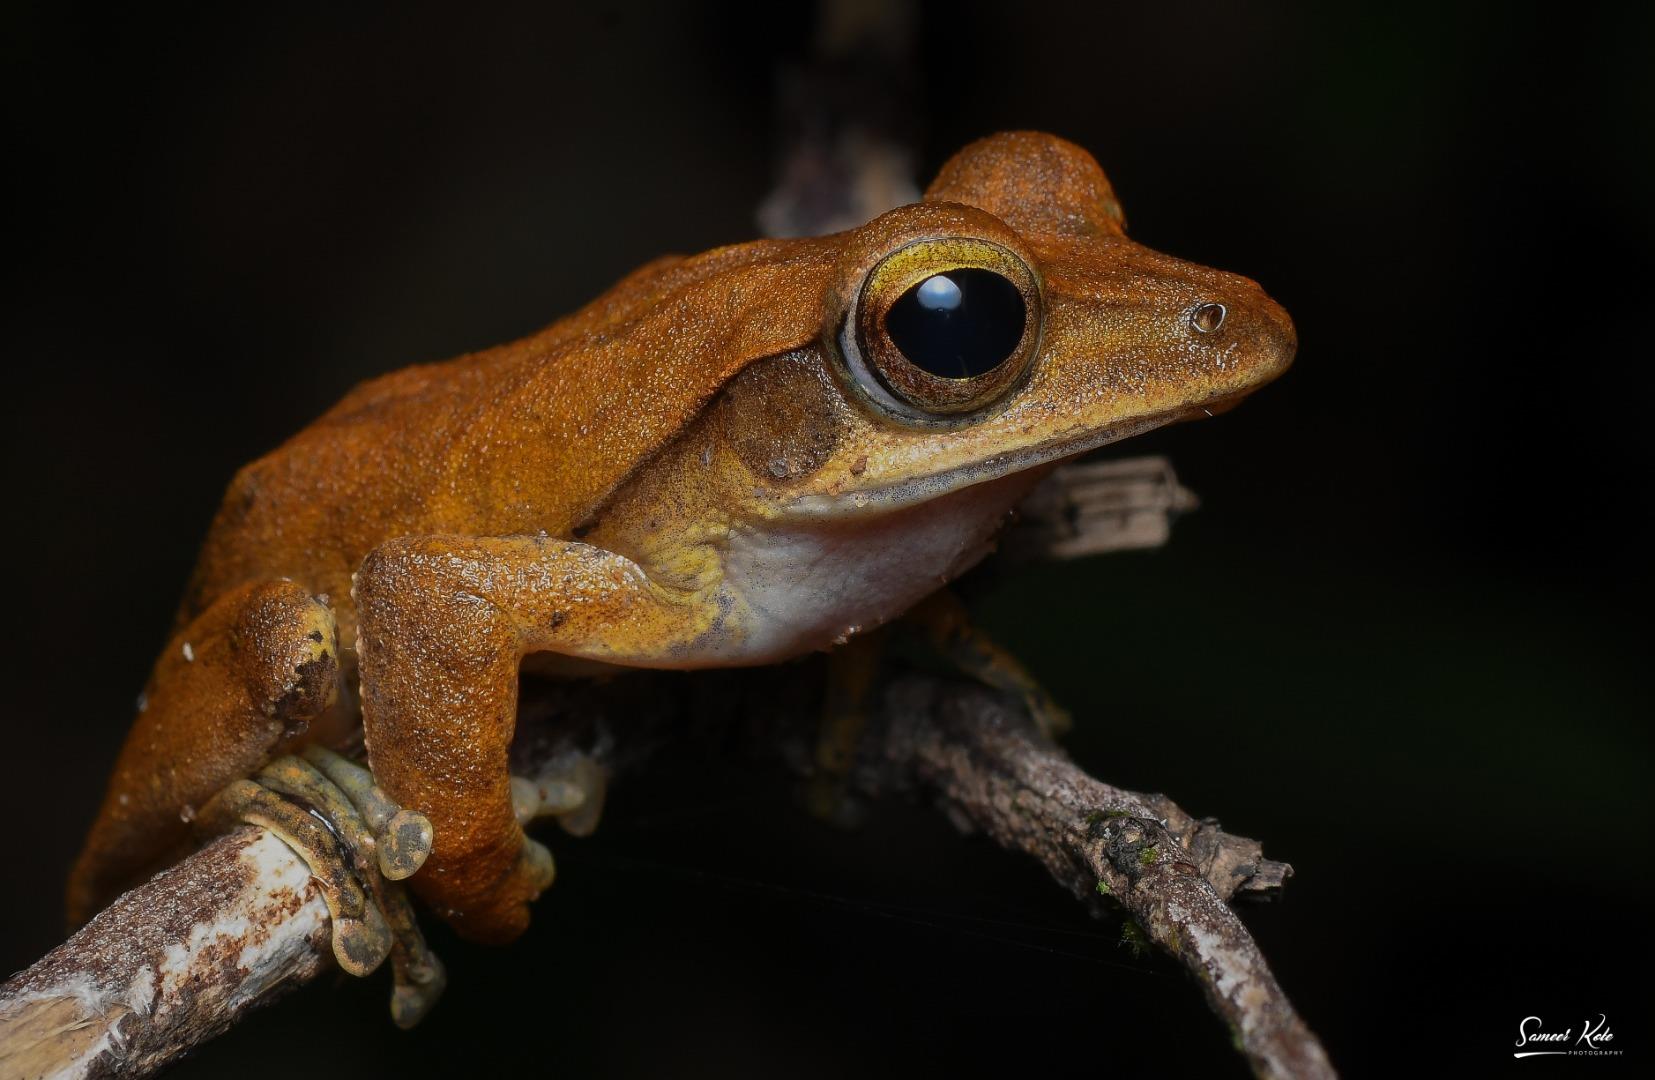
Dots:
pixel 1170 872
pixel 169 965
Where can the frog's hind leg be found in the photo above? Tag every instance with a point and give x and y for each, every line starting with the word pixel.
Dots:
pixel 250 672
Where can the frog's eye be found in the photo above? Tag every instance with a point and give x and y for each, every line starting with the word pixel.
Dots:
pixel 943 327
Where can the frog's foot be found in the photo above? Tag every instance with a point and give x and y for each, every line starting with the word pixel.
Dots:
pixel 357 857
pixel 569 789
pixel 361 937
pixel 386 844
pixel 948 626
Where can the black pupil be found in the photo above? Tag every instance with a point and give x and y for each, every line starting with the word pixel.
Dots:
pixel 959 324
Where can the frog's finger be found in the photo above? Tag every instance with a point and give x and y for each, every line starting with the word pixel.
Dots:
pixel 417 975
pixel 403 837
pixel 361 939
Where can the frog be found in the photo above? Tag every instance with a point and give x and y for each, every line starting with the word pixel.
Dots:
pixel 731 459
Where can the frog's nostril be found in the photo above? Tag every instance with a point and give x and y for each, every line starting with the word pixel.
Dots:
pixel 1207 318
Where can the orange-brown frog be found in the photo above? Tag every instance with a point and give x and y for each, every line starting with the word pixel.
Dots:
pixel 730 459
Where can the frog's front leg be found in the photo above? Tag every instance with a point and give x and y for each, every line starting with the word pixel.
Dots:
pixel 444 623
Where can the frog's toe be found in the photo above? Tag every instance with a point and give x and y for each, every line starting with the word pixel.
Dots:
pixel 413 998
pixel 535 867
pixel 418 976
pixel 402 837
pixel 361 945
pixel 404 844
pixel 570 789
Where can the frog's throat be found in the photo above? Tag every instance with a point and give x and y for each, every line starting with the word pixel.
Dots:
pixel 884 498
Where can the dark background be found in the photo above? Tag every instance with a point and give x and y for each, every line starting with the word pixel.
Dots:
pixel 1400 641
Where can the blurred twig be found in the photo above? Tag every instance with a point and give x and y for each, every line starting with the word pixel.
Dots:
pixel 1093 507
pixel 847 125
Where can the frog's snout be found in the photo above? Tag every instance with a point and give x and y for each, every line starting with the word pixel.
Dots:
pixel 1242 321
pixel 1281 341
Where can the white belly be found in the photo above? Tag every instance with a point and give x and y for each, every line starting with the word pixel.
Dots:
pixel 799 586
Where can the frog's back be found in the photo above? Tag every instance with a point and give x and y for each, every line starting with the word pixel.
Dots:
pixel 527 437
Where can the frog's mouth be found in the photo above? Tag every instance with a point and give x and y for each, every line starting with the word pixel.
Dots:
pixel 900 494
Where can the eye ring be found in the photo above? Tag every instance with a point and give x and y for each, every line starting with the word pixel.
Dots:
pixel 970 312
